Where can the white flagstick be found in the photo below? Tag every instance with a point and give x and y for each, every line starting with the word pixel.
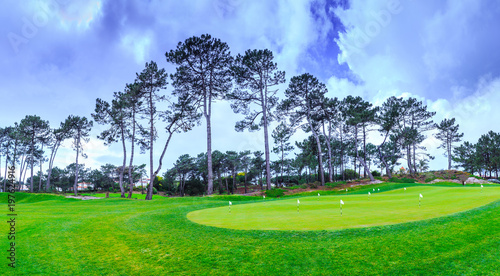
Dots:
pixel 341 203
pixel 481 188
pixel 346 191
pixel 420 197
pixel 318 196
pixel 230 203
pixel 369 195
pixel 405 188
pixel 298 202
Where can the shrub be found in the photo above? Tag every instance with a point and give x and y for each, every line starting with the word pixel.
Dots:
pixel 275 193
pixel 429 179
pixel 314 185
pixel 351 174
pixel 494 181
pixel 155 191
pixel 376 173
pixel 402 180
pixel 334 184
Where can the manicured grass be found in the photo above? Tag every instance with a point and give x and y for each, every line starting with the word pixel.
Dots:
pixel 59 236
pixel 323 213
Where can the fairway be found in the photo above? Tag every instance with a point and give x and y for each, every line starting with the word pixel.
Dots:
pixel 323 213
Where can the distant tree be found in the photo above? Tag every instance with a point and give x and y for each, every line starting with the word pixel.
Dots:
pixel 152 79
pixel 245 161
pixel 233 163
pixel 115 115
pixel 202 76
pixel 387 118
pixel 79 129
pixel 258 166
pixel 303 101
pixel 488 152
pixel 359 113
pixel 415 119
pixel 328 118
pixel 133 98
pixel 256 75
pixel 281 135
pixel 466 157
pixel 183 167
pixel 448 134
pixel 56 137
pixel 34 130
pixel 6 149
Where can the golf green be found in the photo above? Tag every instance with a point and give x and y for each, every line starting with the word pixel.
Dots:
pixel 323 212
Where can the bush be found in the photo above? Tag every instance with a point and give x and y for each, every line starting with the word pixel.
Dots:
pixel 429 179
pixel 275 193
pixel 334 184
pixel 494 181
pixel 351 174
pixel 376 173
pixel 314 185
pixel 155 191
pixel 402 180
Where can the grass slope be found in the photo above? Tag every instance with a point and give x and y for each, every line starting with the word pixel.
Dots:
pixel 323 213
pixel 59 236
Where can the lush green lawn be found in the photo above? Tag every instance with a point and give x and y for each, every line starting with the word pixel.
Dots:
pixel 323 212
pixel 59 236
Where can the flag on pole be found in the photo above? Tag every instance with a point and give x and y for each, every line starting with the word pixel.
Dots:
pixel 264 197
pixel 374 189
pixel 230 203
pixel 369 193
pixel 405 188
pixel 481 185
pixel 341 203
pixel 318 194
pixel 421 196
pixel 298 202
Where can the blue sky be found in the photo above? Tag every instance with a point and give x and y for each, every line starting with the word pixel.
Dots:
pixel 58 56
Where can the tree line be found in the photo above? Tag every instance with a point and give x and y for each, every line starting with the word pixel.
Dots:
pixel 206 72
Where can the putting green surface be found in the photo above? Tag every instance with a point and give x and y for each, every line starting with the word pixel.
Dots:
pixel 323 212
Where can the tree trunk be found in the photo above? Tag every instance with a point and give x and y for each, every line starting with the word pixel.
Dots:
pixel 208 116
pixel 41 173
pixel 320 153
pixel 361 161
pixel 122 170
pixel 266 148
pixel 31 180
pixel 51 163
pixel 130 177
pixel 75 186
pixel 329 146
pixel 408 154
pixel 149 190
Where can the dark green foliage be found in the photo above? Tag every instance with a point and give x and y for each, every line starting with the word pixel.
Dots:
pixel 350 174
pixel 376 173
pixel 275 193
pixel 401 180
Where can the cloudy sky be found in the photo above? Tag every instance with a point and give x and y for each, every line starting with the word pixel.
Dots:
pixel 58 56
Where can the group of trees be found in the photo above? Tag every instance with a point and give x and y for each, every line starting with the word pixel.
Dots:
pixel 482 157
pixel 207 72
pixel 23 145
